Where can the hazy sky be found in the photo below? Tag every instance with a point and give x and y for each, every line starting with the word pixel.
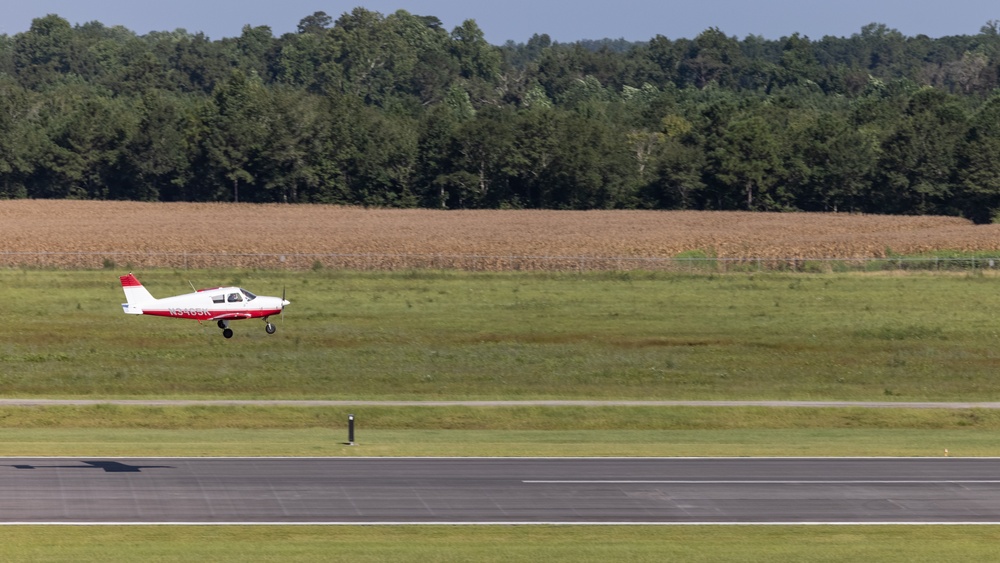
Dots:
pixel 563 20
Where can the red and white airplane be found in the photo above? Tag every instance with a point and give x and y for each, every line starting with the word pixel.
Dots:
pixel 221 304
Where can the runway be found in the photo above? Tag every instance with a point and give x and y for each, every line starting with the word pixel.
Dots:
pixel 499 491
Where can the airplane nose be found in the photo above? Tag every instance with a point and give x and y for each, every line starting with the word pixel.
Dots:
pixel 285 302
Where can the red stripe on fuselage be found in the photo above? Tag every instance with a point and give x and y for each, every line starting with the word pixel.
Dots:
pixel 201 314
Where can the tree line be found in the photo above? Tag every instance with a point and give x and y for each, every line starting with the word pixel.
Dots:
pixel 395 110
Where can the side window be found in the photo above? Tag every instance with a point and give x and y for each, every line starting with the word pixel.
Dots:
pixel 235 297
pixel 218 298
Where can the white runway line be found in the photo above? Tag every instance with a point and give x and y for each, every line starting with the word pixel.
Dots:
pixel 804 482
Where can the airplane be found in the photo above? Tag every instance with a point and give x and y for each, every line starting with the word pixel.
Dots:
pixel 221 304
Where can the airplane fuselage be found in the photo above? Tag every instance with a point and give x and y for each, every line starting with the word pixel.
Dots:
pixel 222 304
pixel 214 304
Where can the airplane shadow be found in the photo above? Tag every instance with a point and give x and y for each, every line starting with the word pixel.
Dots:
pixel 107 466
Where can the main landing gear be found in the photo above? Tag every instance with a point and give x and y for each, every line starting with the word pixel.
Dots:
pixel 228 332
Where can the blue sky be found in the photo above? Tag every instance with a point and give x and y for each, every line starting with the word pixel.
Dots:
pixel 563 20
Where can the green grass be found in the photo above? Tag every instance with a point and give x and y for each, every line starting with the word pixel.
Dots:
pixel 500 418
pixel 496 431
pixel 479 443
pixel 908 544
pixel 435 335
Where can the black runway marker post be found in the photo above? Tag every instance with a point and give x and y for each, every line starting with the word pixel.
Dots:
pixel 350 430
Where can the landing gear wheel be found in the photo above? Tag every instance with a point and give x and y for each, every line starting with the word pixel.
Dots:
pixel 269 328
pixel 228 333
pixel 222 324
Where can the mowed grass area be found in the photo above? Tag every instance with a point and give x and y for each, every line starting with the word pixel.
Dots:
pixel 505 543
pixel 108 430
pixel 90 443
pixel 453 335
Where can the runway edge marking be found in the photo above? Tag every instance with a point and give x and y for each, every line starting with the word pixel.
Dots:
pixel 447 523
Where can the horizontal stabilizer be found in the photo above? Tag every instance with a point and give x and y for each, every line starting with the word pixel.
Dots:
pixel 131 309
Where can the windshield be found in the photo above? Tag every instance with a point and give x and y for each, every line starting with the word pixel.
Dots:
pixel 250 296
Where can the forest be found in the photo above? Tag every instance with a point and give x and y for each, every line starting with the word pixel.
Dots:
pixel 396 111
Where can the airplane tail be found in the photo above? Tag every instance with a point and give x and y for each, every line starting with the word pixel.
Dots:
pixel 135 294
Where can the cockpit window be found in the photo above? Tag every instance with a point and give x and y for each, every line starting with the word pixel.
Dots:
pixel 250 296
pixel 235 297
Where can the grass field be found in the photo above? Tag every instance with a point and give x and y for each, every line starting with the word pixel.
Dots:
pixel 427 335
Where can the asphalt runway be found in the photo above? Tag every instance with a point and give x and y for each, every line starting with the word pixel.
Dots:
pixel 498 490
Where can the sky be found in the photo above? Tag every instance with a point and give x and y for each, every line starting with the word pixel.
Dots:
pixel 518 20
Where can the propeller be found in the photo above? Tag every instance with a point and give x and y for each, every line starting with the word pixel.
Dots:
pixel 283 303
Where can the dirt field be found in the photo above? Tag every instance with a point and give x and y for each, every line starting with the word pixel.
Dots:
pixel 92 234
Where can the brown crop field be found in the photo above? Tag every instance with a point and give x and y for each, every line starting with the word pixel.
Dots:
pixel 94 234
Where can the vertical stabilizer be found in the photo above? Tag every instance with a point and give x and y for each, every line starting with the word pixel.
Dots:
pixel 135 294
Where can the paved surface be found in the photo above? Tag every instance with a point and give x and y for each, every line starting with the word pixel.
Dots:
pixel 539 403
pixel 500 490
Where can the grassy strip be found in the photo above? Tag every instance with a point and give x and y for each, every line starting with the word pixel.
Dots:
pixel 496 431
pixel 107 416
pixel 910 544
pixel 490 443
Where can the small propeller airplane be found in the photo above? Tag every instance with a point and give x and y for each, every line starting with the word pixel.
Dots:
pixel 221 304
